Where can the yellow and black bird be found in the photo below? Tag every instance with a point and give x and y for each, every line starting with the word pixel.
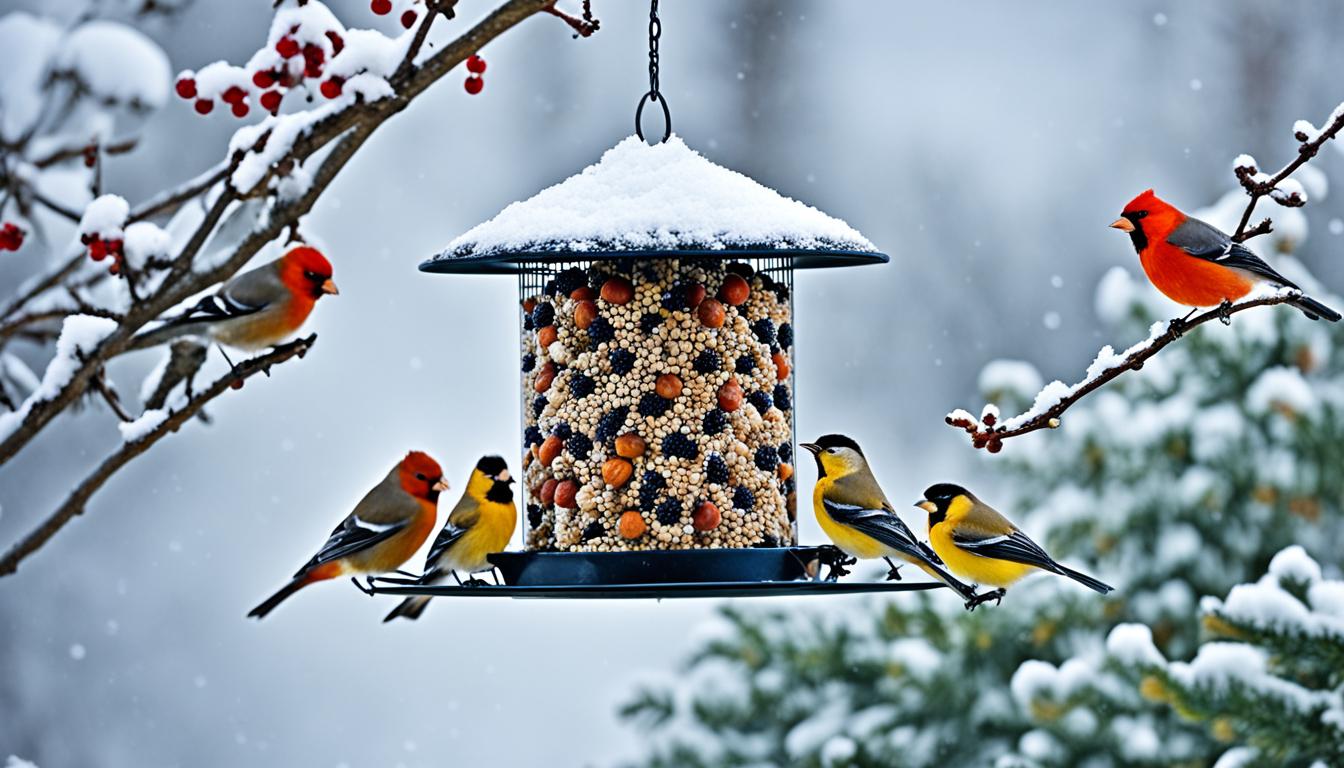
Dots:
pixel 978 543
pixel 481 523
pixel 856 515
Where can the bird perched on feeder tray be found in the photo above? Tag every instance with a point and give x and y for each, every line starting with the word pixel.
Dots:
pixel 387 526
pixel 978 543
pixel 855 513
pixel 259 308
pixel 1195 263
pixel 481 523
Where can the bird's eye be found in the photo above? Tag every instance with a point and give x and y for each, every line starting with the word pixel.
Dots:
pixel 311 275
pixel 1140 214
pixel 832 451
pixel 420 476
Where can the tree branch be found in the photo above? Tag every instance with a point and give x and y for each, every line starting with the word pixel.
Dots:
pixel 989 432
pixel 167 202
pixel 1258 186
pixel 75 503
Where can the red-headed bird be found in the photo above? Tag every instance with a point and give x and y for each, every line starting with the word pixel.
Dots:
pixel 387 526
pixel 1195 263
pixel 257 309
pixel 482 523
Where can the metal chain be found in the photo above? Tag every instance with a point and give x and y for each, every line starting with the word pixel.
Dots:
pixel 655 32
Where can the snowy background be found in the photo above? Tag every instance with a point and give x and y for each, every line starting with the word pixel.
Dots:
pixel 984 147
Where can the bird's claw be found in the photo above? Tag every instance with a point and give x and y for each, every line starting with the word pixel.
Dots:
pixel 984 597
pixel 895 573
pixel 475 582
pixel 366 590
pixel 1225 312
pixel 836 562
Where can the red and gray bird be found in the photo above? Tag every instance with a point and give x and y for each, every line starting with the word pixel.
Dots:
pixel 1196 264
pixel 388 525
pixel 256 309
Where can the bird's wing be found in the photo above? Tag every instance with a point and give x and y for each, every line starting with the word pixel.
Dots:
pixel 448 536
pixel 354 534
pixel 881 524
pixel 1205 241
pixel 246 294
pixel 1015 547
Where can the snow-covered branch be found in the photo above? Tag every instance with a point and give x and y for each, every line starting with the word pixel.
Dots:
pixel 1279 188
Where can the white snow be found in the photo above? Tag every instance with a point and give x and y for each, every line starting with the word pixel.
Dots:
pixel 1288 189
pixel 27 44
pixel 1132 644
pixel 1294 564
pixel 666 196
pixel 79 334
pixel 1246 163
pixel 1017 377
pixel 1280 387
pixel 147 422
pixel 838 750
pixel 105 217
pixel 14 761
pixel 117 62
pixel 1238 757
pixel 144 240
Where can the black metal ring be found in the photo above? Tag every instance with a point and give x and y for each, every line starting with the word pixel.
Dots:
pixel 667 116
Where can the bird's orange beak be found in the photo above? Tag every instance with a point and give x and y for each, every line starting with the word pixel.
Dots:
pixel 1123 224
pixel 440 486
pixel 329 287
pixel 927 506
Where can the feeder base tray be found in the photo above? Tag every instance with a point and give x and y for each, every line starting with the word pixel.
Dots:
pixel 661 574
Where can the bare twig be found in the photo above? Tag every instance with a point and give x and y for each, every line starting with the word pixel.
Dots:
pixel 989 432
pixel 110 395
pixel 167 202
pixel 583 27
pixel 55 207
pixel 77 500
pixel 1262 187
pixel 70 153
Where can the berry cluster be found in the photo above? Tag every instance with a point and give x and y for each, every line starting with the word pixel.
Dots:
pixel 384 7
pixel 11 237
pixel 101 247
pixel 474 83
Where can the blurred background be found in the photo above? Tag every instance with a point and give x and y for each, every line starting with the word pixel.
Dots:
pixel 984 146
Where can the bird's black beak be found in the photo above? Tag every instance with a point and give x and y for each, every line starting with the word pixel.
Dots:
pixel 1123 224
pixel 811 448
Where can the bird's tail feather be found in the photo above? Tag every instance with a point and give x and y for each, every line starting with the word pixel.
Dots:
pixel 1086 581
pixel 1315 309
pixel 269 604
pixel 410 608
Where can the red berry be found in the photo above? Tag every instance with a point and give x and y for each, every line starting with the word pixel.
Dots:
pixel 114 268
pixel 408 19
pixel 233 94
pixel 381 7
pixel 97 250
pixel 236 384
pixel 11 237
pixel 263 78
pixel 114 247
pixel 337 43
pixel 186 88
pixel 270 101
pixel 241 109
pixel 476 64
pixel 203 106
pixel 90 157
pixel 474 85
pixel 287 47
pixel 332 88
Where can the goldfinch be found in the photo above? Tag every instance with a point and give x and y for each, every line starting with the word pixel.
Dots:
pixel 387 526
pixel 856 515
pixel 481 523
pixel 982 545
pixel 257 309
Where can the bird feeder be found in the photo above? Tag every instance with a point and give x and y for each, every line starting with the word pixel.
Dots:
pixel 656 317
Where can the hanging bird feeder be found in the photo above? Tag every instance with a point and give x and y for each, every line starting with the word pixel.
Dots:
pixel 655 295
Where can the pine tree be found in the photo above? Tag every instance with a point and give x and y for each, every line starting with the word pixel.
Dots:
pixel 1178 481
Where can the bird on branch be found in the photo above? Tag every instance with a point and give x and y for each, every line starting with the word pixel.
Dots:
pixel 1196 264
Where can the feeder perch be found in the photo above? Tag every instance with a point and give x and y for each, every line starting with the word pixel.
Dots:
pixel 655 294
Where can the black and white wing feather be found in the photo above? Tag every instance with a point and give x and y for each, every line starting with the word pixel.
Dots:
pixel 881 524
pixel 353 535
pixel 1015 547
pixel 1205 241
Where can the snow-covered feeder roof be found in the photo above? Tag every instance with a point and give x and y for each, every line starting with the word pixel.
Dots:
pixel 655 201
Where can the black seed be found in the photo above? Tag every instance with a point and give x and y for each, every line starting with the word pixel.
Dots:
pixel 743 499
pixel 649 321
pixel 651 479
pixel 562 431
pixel 601 331
pixel 543 315
pixel 534 515
pixel 622 361
pixel 538 405
pixel 785 335
pixel 716 469
pixel 531 437
pixel 741 268
pixel 609 426
pixel 579 446
pixel 581 385
pixel 782 399
pixel 669 512
pixel 715 421
pixel 745 364
pixel 786 451
pixel 790 485
pixel 650 485
pixel 761 400
pixel 549 288
pixel 767 458
pixel 679 445
pixel 570 281
pixel 594 531
pixel 529 362
pixel 596 277
pixel 764 330
pixel 708 361
pixel 527 322
pixel 653 405
pixel 767 542
pixel 674 298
